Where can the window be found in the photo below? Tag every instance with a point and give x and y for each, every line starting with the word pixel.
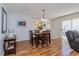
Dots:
pixel 70 25
pixel 75 24
pixel 67 25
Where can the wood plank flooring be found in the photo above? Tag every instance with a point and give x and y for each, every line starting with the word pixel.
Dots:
pixel 54 49
pixel 66 50
pixel 74 53
pixel 25 49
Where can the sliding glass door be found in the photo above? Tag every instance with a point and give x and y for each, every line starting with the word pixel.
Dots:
pixel 66 25
pixel 75 24
pixel 72 24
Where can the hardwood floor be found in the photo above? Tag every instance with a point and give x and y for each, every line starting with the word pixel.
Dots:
pixel 66 50
pixel 25 49
pixel 74 53
pixel 56 48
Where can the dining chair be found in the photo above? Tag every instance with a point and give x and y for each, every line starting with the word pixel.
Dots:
pixel 41 39
pixel 37 38
pixel 31 37
pixel 49 36
pixel 36 31
pixel 45 38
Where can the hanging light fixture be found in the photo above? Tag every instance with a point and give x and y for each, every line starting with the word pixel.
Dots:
pixel 43 19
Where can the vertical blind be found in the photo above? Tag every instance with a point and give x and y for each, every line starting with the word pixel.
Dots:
pixel 72 24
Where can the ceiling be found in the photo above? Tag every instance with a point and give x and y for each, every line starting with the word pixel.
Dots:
pixel 34 10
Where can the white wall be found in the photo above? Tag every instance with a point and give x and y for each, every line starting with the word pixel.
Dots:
pixel 56 28
pixel 1 35
pixel 21 32
pixel 1 49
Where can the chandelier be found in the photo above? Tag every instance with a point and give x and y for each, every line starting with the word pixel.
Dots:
pixel 43 19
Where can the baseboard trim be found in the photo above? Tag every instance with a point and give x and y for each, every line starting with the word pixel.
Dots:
pixel 22 41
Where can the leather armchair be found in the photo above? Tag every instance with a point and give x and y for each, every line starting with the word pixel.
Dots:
pixel 73 38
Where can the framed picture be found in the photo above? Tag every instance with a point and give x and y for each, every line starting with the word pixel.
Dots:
pixel 4 21
pixel 22 23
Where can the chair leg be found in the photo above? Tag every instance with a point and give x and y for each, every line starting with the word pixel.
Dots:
pixel 32 44
pixel 37 42
pixel 49 40
pixel 15 52
pixel 36 45
pixel 47 43
pixel 42 43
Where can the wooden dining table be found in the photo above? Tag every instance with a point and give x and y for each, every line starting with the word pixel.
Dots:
pixel 41 35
